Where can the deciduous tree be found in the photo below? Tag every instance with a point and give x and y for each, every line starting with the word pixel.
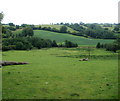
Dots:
pixel 63 29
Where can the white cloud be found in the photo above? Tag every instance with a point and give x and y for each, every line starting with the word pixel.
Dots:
pixel 53 11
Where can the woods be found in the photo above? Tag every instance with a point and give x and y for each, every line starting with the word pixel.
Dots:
pixel 110 47
pixel 25 40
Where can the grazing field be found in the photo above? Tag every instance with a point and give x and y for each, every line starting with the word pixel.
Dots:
pixel 57 73
pixel 61 37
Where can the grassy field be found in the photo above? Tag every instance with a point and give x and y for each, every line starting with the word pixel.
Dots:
pixel 57 73
pixel 60 37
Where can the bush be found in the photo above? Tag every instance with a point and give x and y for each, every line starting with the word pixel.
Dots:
pixel 16 43
pixel 9 47
pixel 63 29
pixel 110 47
pixel 98 45
pixel 70 44
pixel 28 31
pixel 54 44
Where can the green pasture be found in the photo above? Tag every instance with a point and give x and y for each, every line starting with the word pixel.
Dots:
pixel 57 73
pixel 61 37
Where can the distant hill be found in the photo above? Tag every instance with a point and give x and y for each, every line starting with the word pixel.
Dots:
pixel 94 30
pixel 88 30
pixel 58 27
pixel 61 37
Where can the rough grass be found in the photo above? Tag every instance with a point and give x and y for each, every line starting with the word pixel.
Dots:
pixel 61 37
pixel 49 76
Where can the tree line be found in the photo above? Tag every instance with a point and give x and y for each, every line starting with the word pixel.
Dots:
pixel 94 30
pixel 26 41
pixel 111 46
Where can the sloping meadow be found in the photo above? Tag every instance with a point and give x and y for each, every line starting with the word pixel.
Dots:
pixel 57 73
pixel 61 37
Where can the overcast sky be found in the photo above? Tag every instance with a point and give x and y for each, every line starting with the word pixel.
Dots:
pixel 56 11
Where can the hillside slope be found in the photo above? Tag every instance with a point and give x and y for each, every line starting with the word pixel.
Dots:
pixel 58 27
pixel 60 37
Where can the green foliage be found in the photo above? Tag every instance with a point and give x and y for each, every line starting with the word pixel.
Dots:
pixel 17 26
pixel 70 44
pixel 98 45
pixel 63 29
pixel 6 33
pixel 12 28
pixel 107 25
pixel 27 43
pixel 54 44
pixel 56 28
pixel 18 43
pixel 1 17
pixel 11 24
pixel 97 31
pixel 110 47
pixel 116 28
pixel 24 25
pixel 39 27
pixel 62 37
pixel 40 43
pixel 8 47
pixel 93 30
pixel 27 32
pixel 77 27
